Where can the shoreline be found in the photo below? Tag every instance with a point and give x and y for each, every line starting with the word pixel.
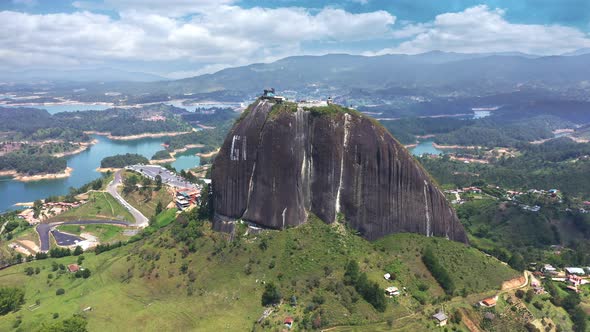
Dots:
pixel 208 154
pixel 162 161
pixel 137 136
pixel 83 147
pixel 186 148
pixel 107 169
pixel 471 147
pixel 38 177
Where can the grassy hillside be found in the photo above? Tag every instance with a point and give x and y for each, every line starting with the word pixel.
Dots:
pixel 100 205
pixel 105 233
pixel 187 277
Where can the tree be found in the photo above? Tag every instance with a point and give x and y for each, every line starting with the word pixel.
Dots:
pixel 11 299
pixel 37 206
pixel 517 262
pixel 83 273
pixel 158 182
pixel 159 207
pixel 60 291
pixel 530 294
pixel 78 251
pixel 351 272
pixel 130 183
pixel 97 184
pixel 146 182
pixel 270 295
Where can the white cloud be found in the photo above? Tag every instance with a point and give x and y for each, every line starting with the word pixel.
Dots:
pixel 223 34
pixel 481 29
pixel 170 8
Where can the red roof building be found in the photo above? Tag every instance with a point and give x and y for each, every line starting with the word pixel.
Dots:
pixel 288 322
pixel 73 268
pixel 489 302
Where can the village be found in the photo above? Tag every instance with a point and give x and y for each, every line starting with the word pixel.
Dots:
pixel 54 218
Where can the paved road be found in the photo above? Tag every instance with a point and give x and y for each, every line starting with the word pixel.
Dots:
pixel 140 219
pixel 44 229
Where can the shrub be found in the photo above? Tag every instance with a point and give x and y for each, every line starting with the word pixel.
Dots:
pixel 270 295
pixel 60 291
pixel 11 299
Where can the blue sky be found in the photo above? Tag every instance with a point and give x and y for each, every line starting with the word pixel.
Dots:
pixel 180 38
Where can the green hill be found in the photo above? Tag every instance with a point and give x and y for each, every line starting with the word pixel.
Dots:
pixel 187 277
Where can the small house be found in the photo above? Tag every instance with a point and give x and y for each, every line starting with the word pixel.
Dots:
pixel 574 280
pixel 489 302
pixel 73 268
pixel 440 318
pixel 392 291
pixel 574 271
pixel 549 269
pixel 288 322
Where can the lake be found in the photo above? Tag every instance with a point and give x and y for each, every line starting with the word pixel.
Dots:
pixel 52 109
pixel 84 165
pixel 426 147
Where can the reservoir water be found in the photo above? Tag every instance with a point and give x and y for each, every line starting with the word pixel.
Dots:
pixel 52 109
pixel 426 147
pixel 84 165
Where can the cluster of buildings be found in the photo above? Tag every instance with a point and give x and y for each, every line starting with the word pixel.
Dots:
pixel 47 210
pixel 186 198
pixel 457 193
pixel 574 277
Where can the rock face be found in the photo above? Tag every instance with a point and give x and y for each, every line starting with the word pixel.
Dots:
pixel 278 164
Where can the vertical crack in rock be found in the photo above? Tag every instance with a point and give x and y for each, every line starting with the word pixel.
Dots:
pixel 426 209
pixel 344 145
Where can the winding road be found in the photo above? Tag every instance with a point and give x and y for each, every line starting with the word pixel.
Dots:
pixel 140 220
pixel 44 229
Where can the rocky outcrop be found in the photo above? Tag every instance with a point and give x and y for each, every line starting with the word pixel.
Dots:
pixel 280 163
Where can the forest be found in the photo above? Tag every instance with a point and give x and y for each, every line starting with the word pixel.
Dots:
pixel 122 160
pixel 32 164
pixel 210 138
pixel 38 125
pixel 559 163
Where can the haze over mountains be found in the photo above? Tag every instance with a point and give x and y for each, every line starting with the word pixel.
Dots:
pixel 79 75
pixel 434 68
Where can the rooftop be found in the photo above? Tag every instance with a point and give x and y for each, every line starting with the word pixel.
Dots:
pixel 440 316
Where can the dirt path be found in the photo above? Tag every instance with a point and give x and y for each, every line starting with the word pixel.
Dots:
pixel 468 322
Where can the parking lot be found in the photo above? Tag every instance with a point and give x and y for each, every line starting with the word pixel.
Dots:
pixel 169 178
pixel 64 239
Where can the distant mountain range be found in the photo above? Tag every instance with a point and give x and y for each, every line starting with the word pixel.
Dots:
pixel 443 73
pixel 335 72
pixel 82 75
